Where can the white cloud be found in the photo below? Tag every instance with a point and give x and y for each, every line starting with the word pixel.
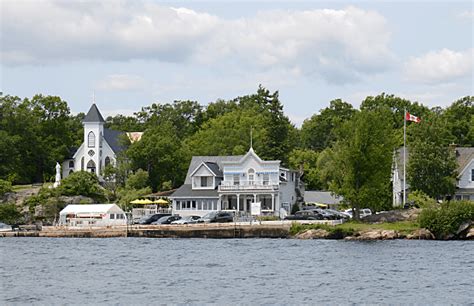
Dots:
pixel 467 14
pixel 336 45
pixel 117 82
pixel 440 66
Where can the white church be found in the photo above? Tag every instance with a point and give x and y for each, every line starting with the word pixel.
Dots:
pixel 100 146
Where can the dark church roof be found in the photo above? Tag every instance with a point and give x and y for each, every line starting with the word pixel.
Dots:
pixel 93 115
pixel 113 139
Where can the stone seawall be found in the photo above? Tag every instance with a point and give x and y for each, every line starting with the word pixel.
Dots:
pixel 162 231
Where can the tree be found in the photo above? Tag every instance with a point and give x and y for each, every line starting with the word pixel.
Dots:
pixel 161 154
pixel 358 165
pixel 432 164
pixel 137 180
pixel 318 132
pixel 459 120
pixel 306 160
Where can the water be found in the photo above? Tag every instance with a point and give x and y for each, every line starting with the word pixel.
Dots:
pixel 244 271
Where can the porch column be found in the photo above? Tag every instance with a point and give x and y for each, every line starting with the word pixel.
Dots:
pixel 273 202
pixel 219 203
pixel 254 198
pixel 238 202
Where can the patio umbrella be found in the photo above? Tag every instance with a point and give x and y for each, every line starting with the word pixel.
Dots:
pixel 144 202
pixel 161 202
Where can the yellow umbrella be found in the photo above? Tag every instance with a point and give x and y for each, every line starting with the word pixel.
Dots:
pixel 161 201
pixel 144 202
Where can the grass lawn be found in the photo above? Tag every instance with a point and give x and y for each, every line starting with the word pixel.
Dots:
pixel 17 188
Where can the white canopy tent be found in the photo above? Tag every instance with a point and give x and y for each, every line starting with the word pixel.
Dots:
pixel 92 215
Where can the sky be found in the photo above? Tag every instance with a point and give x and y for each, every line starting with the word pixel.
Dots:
pixel 129 54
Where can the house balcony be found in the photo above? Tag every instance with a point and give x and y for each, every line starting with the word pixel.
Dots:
pixel 248 186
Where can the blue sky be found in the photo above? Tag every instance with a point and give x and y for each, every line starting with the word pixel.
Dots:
pixel 134 53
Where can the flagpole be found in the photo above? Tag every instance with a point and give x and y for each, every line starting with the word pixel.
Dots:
pixel 404 156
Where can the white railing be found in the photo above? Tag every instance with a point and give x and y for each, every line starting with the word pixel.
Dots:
pixel 246 185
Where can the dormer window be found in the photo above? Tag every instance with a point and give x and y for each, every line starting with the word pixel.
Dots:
pixel 91 140
pixel 205 181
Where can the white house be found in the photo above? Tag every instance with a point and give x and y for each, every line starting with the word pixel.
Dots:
pixel 100 146
pixel 92 215
pixel 233 183
pixel 465 179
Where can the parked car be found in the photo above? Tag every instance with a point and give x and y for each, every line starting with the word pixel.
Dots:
pixel 216 217
pixel 5 227
pixel 166 220
pixel 151 219
pixel 339 215
pixel 326 214
pixel 187 220
pixel 363 212
pixel 305 215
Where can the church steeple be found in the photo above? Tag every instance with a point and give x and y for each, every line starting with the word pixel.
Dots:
pixel 93 115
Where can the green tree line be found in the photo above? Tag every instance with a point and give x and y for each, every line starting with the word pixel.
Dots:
pixel 339 148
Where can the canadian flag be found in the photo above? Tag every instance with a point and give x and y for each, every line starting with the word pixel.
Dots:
pixel 410 117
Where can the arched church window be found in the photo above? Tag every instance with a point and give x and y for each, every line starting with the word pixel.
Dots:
pixel 71 164
pixel 100 140
pixel 91 166
pixel 107 161
pixel 71 171
pixel 91 140
pixel 82 163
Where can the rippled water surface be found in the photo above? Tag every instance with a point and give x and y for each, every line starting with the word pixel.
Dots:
pixel 245 271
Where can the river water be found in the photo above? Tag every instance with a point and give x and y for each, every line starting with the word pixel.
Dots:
pixel 234 271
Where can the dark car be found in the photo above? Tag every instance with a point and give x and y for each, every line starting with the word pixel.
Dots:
pixel 305 215
pixel 166 219
pixel 151 219
pixel 217 217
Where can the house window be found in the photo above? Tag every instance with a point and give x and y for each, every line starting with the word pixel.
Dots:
pixel 472 175
pixel 251 176
pixel 71 164
pixel 91 140
pixel 266 179
pixel 107 161
pixel 204 181
pixel 112 216
pixel 236 179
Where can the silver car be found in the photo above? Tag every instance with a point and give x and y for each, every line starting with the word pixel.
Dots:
pixel 187 220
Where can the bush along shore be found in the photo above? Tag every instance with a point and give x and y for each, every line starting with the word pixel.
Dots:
pixel 448 221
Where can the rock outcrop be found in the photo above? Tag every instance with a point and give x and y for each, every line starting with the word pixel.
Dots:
pixel 421 233
pixel 313 234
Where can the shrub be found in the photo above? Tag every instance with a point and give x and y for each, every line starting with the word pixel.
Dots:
pixel 5 186
pixel 421 199
pixel 9 214
pixel 444 220
pixel 82 183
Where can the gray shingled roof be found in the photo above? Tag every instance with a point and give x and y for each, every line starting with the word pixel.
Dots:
pixel 215 169
pixel 197 160
pixel 464 155
pixel 321 197
pixel 93 115
pixel 112 137
pixel 187 191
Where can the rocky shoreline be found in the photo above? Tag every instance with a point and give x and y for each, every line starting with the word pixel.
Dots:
pixel 378 234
